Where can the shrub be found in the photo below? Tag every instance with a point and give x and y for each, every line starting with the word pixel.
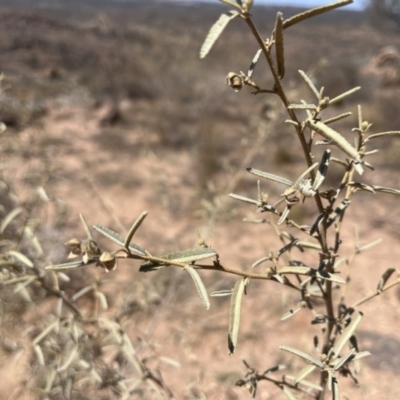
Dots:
pixel 76 356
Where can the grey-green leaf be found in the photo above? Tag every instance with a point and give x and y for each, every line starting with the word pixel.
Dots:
pixel 70 265
pixel 344 95
pixel 134 228
pixel 303 373
pixel 231 3
pixel 21 257
pixel 386 190
pixel 244 199
pixel 311 272
pixel 377 135
pixel 302 107
pixel 9 217
pixel 185 256
pixel 199 286
pixel 215 32
pixel 309 83
pixel 269 176
pixel 335 388
pixel 337 118
pixel 280 57
pixel 235 314
pixel 344 359
pixel 115 237
pixel 384 278
pixel 304 382
pixel 346 334
pixel 313 12
pixel 288 393
pixel 86 227
pixel 291 312
pixel 221 293
pixel 338 140
pixel 303 355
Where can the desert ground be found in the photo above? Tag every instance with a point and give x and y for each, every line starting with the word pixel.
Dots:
pixel 110 112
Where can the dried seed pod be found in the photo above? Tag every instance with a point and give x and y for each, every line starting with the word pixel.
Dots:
pixel 108 261
pixel 234 80
pixel 75 245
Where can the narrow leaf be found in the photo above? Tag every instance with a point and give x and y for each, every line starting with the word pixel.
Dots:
pixel 386 190
pixel 235 314
pixel 329 277
pixel 303 373
pixel 221 293
pixel 361 355
pixel 322 169
pixel 45 332
pixel 115 237
pixel 302 107
pixel 344 359
pixel 369 245
pixel 215 32
pixel 278 367
pixel 185 256
pixel 311 272
pixel 71 356
pixel 291 312
pixel 308 245
pixel 309 384
pixel 284 215
pixel 244 199
pixel 377 135
pixel 134 228
pixel 337 139
pixel 253 63
pixel 346 334
pixel 335 388
pixel 339 210
pixel 39 354
pixel 303 175
pixel 313 12
pixel 288 393
pixel 384 278
pixel 362 186
pixel 201 290
pixel 70 265
pixel 108 233
pixel 86 227
pixel 103 300
pixel 271 177
pixel 344 95
pixel 303 355
pixel 81 292
pixel 337 118
pixel 340 162
pixel 149 267
pixel 260 261
pixel 21 257
pixel 231 3
pixel 317 223
pixel 309 83
pixel 280 57
pixel 23 285
pixel 9 217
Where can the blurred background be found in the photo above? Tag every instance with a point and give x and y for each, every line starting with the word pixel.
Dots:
pixel 110 111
